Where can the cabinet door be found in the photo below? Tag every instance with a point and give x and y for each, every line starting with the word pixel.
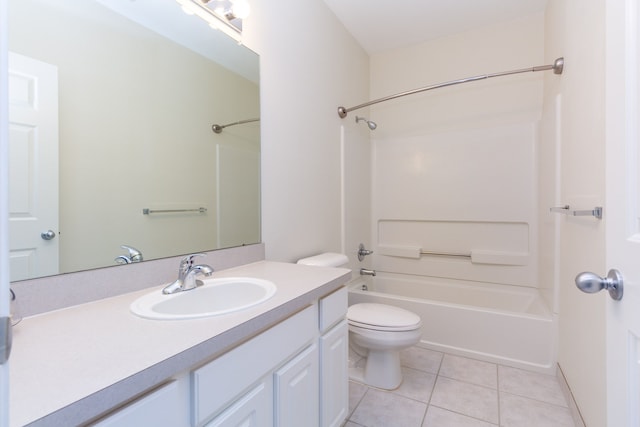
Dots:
pixel 297 391
pixel 251 410
pixel 334 380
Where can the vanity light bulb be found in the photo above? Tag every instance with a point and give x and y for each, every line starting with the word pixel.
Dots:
pixel 241 9
pixel 186 9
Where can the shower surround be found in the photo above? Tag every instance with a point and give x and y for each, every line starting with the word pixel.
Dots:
pixel 462 182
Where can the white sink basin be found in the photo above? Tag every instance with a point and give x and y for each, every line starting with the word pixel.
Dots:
pixel 215 297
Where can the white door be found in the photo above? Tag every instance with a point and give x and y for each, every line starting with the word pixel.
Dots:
pixel 622 211
pixel 4 200
pixel 33 168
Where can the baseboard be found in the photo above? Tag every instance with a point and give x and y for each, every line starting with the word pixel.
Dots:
pixel 566 390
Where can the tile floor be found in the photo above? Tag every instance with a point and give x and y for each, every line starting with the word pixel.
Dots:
pixel 442 390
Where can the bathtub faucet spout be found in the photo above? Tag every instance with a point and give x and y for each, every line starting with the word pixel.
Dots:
pixel 367 272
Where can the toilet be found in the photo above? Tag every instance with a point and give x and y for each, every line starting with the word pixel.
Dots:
pixel 382 330
pixel 377 332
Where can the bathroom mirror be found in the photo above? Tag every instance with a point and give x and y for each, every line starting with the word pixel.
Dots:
pixel 136 97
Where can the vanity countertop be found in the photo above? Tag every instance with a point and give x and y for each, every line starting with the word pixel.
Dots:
pixel 69 366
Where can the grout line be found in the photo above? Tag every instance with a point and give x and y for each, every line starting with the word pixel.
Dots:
pixel 498 394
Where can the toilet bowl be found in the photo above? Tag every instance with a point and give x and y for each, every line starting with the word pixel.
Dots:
pixel 377 331
pixel 382 331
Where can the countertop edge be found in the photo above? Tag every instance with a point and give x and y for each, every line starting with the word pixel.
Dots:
pixel 93 407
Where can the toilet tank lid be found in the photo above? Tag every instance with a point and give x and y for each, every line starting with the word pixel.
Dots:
pixel 327 259
pixel 382 315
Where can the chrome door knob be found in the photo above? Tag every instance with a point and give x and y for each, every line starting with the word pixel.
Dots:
pixel 591 283
pixel 48 235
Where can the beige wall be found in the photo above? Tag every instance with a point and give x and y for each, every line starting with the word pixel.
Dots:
pixel 135 132
pixel 309 66
pixel 575 29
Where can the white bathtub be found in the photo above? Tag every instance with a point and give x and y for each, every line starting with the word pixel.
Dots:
pixel 503 324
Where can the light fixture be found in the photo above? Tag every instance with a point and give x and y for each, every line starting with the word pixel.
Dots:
pixel 240 9
pixel 220 17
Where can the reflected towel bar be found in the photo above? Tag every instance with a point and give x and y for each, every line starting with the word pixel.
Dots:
pixel 557 67
pixel 147 211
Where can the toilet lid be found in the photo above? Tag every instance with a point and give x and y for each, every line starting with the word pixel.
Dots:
pixel 382 317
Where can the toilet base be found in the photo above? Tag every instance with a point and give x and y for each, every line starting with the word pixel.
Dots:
pixel 380 369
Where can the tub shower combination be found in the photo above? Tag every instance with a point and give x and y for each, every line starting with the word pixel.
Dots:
pixel 483 304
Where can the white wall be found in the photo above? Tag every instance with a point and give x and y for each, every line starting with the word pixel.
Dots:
pixel 456 169
pixel 309 66
pixel 575 29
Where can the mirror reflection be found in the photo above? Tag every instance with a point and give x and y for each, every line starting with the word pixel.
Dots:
pixel 108 118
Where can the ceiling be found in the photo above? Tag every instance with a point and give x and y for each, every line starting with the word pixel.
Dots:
pixel 380 25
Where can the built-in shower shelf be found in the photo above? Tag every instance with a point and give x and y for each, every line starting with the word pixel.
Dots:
pixel 566 210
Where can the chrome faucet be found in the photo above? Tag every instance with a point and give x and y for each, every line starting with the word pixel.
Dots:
pixel 187 273
pixel 133 256
pixel 367 272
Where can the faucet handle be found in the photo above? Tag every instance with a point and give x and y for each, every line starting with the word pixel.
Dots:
pixel 362 252
pixel 188 261
pixel 134 254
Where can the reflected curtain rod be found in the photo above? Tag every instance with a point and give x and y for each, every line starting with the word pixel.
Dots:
pixel 557 68
pixel 218 128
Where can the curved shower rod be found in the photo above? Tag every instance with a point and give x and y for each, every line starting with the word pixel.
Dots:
pixel 557 68
pixel 218 128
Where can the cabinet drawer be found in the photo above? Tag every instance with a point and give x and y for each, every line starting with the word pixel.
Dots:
pixel 222 380
pixel 160 407
pixel 333 308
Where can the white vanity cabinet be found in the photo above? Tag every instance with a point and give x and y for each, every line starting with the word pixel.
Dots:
pixel 334 354
pixel 302 366
pixel 291 375
pixel 234 382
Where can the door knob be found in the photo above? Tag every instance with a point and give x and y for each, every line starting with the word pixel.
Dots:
pixel 48 235
pixel 591 283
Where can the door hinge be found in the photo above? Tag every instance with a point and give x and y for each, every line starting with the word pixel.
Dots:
pixel 6 339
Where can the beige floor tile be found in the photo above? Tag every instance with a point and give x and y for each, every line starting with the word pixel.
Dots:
pixel 438 417
pixel 530 384
pixel 356 393
pixel 470 370
pixel 465 398
pixel 421 359
pixel 384 409
pixel 459 392
pixel 417 385
pixel 517 411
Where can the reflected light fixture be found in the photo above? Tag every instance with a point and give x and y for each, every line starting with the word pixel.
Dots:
pixel 222 14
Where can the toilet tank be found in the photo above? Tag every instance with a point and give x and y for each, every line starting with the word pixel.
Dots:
pixel 327 259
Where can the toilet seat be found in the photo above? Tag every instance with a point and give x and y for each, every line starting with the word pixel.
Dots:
pixel 382 317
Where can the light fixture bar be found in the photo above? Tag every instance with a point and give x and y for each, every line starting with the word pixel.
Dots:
pixel 198 7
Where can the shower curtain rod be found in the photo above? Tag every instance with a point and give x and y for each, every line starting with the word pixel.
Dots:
pixel 557 68
pixel 218 128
